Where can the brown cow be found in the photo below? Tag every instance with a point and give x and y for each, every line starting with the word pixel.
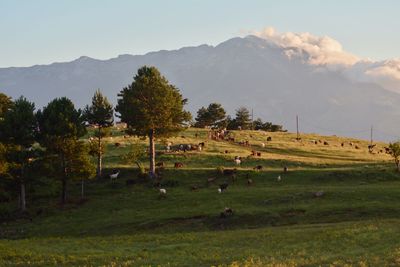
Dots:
pixel 178 165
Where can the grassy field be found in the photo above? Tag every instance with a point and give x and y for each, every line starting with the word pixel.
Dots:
pixel 275 223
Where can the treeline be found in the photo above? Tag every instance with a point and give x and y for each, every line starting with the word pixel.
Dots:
pixel 36 146
pixel 214 116
pixel 45 146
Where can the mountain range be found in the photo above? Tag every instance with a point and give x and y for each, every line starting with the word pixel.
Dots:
pixel 278 76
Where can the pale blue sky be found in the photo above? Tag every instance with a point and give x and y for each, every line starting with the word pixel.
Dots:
pixel 45 31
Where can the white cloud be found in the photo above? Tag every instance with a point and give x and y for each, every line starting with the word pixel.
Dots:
pixel 325 51
pixel 321 50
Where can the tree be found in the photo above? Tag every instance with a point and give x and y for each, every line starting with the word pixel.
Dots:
pixel 60 125
pixel 203 118
pixel 5 104
pixel 259 124
pixel 395 153
pixel 267 126
pixel 3 161
pixel 151 107
pixel 78 163
pixel 213 116
pixel 100 114
pixel 17 131
pixel 243 119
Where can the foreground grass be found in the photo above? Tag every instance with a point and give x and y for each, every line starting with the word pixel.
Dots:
pixel 355 222
pixel 305 245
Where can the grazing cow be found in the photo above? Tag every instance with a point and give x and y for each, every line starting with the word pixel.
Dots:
pixel 371 148
pixel 226 151
pixel 211 180
pixel 194 188
pixel 387 150
pixel 237 161
pixel 342 144
pixel 258 168
pixel 114 175
pixel 117 144
pixel 249 181
pixel 226 213
pixel 279 178
pixel 269 138
pixel 163 192
pixel 263 145
pixel 319 193
pixel 223 187
pixel 285 169
pixel 316 142
pixel 357 147
pixel 258 154
pixel 178 165
pixel 253 153
pixel 160 164
pixel 351 143
pixel 326 143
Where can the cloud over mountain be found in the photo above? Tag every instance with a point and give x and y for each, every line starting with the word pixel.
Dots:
pixel 327 52
pixel 319 50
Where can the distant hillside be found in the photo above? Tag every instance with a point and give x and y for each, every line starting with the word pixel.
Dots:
pixel 250 71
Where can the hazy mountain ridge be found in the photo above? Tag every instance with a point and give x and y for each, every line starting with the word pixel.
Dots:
pixel 277 82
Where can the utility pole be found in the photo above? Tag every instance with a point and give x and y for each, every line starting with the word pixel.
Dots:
pixel 297 127
pixel 252 120
pixel 372 131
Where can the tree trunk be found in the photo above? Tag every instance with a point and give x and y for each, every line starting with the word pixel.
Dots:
pixel 64 192
pixel 22 197
pixel 152 169
pixel 398 165
pixel 64 182
pixel 82 189
pixel 99 155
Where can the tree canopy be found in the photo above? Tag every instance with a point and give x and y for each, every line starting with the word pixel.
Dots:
pixel 59 120
pixel 152 103
pixel 100 112
pixel 5 104
pixel 213 116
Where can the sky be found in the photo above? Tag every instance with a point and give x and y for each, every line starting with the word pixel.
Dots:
pixel 46 31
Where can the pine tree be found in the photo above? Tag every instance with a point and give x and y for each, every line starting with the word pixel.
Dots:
pixel 152 107
pixel 101 115
pixel 243 119
pixel 60 125
pixel 17 132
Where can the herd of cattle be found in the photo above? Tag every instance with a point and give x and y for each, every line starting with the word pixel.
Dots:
pixel 230 174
